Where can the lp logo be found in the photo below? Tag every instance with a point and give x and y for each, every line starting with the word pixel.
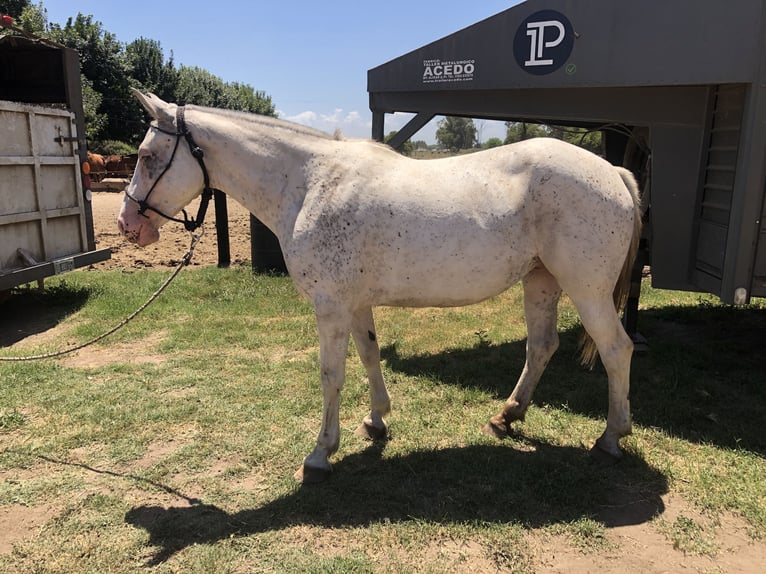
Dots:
pixel 543 42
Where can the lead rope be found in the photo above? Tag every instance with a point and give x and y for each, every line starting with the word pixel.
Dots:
pixel 184 262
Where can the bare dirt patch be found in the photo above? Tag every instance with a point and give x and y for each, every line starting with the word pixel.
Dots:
pixel 644 548
pixel 174 240
pixel 134 352
pixel 18 522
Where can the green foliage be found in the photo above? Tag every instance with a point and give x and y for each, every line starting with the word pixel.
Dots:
pixel 13 8
pixel 456 133
pixel 149 70
pixel 520 131
pixel 591 140
pixel 198 86
pixel 110 68
pixel 588 139
pixel 113 147
pixel 406 148
pixel 103 63
pixel 95 122
pixel 238 96
pixel 492 142
pixel 34 18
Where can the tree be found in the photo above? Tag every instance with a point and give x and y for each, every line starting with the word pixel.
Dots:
pixel 148 69
pixel 91 102
pixel 519 131
pixel 34 19
pixel 582 137
pixel 406 148
pixel 198 86
pixel 243 97
pixel 456 133
pixel 110 68
pixel 13 8
pixel 492 142
pixel 103 63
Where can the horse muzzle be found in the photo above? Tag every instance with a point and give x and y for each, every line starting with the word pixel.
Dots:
pixel 136 228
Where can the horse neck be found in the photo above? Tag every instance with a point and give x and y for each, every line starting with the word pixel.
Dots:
pixel 262 166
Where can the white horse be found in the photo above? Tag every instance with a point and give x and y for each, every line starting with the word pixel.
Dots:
pixel 360 225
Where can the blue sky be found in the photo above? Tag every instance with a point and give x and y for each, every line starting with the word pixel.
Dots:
pixel 311 57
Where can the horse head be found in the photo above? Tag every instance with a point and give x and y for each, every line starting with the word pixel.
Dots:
pixel 167 176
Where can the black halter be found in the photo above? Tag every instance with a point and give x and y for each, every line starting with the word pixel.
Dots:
pixel 189 223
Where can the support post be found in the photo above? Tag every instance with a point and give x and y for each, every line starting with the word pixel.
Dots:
pixel 621 151
pixel 410 129
pixel 222 228
pixel 378 126
pixel 265 251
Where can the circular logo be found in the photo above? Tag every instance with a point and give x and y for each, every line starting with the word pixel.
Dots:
pixel 543 42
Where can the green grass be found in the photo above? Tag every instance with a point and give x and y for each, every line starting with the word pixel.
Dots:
pixel 688 536
pixel 185 461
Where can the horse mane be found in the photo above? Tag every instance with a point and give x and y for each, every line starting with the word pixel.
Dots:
pixel 267 121
pixel 292 127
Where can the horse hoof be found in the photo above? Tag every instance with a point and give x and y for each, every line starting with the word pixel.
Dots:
pixel 496 429
pixel 311 474
pixel 603 457
pixel 372 433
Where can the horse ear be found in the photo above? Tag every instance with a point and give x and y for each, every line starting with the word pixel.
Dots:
pixel 157 108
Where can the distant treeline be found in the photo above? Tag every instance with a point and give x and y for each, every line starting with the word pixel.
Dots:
pixel 115 122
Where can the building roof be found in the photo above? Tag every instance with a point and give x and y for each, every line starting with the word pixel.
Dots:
pixel 598 43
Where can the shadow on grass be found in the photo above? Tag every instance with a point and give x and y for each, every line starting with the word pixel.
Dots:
pixel 30 312
pixel 481 484
pixel 703 378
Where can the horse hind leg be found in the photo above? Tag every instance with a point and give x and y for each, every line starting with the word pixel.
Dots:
pixel 373 426
pixel 615 348
pixel 541 297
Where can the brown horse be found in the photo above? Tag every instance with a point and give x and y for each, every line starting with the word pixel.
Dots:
pixel 120 165
pixel 97 166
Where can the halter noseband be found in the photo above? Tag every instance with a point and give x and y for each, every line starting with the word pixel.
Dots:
pixel 189 223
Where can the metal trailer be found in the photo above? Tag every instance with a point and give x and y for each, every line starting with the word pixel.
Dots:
pixel 46 221
pixel 678 88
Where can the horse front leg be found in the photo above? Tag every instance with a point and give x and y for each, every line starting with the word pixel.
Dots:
pixel 373 426
pixel 333 327
pixel 541 298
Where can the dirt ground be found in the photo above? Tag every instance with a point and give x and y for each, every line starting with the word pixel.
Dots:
pixel 633 548
pixel 174 240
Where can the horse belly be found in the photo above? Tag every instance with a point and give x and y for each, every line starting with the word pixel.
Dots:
pixel 449 272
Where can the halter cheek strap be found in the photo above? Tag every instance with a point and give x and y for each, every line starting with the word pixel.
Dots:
pixel 190 223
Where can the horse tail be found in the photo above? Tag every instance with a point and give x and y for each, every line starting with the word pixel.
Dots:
pixel 589 352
